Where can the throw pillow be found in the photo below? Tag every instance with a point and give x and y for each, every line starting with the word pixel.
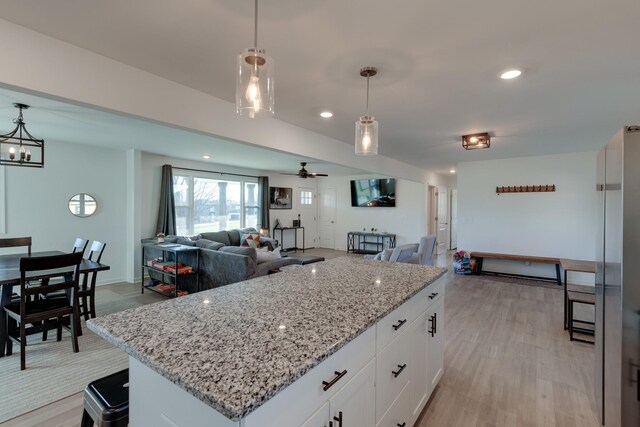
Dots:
pixel 265 255
pixel 250 240
pixel 386 254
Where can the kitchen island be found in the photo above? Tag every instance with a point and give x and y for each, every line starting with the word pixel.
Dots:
pixel 347 341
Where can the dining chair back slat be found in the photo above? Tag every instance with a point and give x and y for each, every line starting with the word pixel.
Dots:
pixel 80 245
pixel 88 286
pixel 14 242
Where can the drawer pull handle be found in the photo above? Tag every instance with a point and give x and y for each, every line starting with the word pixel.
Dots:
pixel 400 323
pixel 399 371
pixel 338 419
pixel 327 385
pixel 434 325
pixel 433 295
pixel 402 425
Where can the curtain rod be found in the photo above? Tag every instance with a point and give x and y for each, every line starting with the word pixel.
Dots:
pixel 221 173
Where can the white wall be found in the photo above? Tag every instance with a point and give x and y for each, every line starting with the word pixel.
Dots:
pixel 36 202
pixel 556 224
pixel 407 220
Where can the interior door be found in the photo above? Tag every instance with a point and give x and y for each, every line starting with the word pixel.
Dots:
pixel 327 211
pixel 308 212
pixel 453 222
pixel 443 223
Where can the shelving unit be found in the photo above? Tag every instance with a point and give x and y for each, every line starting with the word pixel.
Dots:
pixel 174 276
pixel 361 242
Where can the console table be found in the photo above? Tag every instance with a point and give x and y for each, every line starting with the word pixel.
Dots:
pixel 295 241
pixel 361 242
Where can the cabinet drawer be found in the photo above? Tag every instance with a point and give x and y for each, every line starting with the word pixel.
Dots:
pixel 392 372
pixel 292 406
pixel 427 297
pixel 400 412
pixel 394 323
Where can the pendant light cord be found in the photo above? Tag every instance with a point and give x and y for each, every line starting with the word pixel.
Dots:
pixel 255 28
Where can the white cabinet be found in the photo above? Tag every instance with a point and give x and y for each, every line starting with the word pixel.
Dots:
pixel 419 386
pixel 353 405
pixel 435 343
pixel 320 418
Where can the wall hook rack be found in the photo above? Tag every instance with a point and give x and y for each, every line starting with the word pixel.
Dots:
pixel 526 189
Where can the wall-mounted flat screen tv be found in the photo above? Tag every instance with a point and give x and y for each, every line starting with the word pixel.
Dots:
pixel 379 193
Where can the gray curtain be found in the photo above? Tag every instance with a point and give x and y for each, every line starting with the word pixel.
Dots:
pixel 263 188
pixel 167 212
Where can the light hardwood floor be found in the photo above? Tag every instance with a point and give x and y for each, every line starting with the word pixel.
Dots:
pixel 508 362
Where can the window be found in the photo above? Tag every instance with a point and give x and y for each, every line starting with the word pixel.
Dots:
pixel 306 197
pixel 205 205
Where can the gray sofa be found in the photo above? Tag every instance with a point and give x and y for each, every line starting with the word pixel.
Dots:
pixel 222 260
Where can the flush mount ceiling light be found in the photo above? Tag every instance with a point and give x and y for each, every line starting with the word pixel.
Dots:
pixel 326 114
pixel 254 82
pixel 19 147
pixel 511 74
pixel 206 156
pixel 452 171
pixel 476 140
pixel 367 126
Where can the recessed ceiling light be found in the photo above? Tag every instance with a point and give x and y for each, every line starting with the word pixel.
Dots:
pixel 452 171
pixel 510 74
pixel 206 156
pixel 326 114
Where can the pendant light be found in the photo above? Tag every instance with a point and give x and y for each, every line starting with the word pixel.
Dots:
pixel 19 147
pixel 367 126
pixel 254 83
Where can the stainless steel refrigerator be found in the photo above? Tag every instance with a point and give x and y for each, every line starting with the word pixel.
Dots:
pixel 617 347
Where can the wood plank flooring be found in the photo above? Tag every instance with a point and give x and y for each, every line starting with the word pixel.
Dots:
pixel 508 362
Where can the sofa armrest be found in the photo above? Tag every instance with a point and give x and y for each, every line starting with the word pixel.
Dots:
pixel 223 268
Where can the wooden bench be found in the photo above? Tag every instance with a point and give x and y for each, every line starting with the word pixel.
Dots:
pixel 480 256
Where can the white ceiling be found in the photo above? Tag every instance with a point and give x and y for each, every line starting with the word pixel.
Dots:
pixel 438 63
pixel 62 122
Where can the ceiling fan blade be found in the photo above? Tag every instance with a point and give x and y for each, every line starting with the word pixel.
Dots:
pixel 319 174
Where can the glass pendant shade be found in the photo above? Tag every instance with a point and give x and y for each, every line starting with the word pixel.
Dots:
pixel 366 136
pixel 254 84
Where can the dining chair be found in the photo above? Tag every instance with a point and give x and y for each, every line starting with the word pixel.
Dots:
pixel 13 242
pixel 87 293
pixel 80 245
pixel 39 313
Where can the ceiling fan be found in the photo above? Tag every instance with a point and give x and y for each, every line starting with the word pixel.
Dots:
pixel 303 173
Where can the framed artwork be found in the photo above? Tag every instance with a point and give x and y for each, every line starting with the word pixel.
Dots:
pixel 280 198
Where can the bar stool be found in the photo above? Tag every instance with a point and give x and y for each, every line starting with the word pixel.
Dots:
pixel 106 401
pixel 580 298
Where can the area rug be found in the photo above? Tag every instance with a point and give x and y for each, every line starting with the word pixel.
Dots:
pixel 54 371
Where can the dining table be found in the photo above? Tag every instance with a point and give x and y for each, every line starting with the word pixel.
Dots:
pixel 10 277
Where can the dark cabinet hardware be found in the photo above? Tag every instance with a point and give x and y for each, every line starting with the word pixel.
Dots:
pixel 338 419
pixel 433 295
pixel 327 385
pixel 402 425
pixel 433 319
pixel 399 371
pixel 400 323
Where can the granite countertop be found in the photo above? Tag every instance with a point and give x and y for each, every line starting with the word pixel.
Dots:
pixel 237 346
